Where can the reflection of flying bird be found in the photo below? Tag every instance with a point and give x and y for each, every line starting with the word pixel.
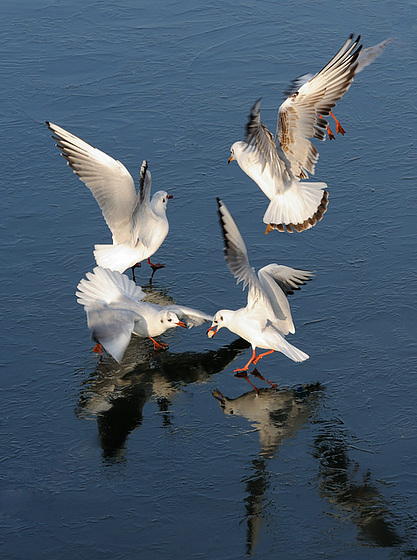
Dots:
pixel 278 163
pixel 115 310
pixel 138 223
pixel 267 317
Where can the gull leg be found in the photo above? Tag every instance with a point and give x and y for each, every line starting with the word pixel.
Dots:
pixel 329 132
pixel 256 360
pixel 133 271
pixel 154 267
pixel 339 127
pixel 248 364
pixel 158 345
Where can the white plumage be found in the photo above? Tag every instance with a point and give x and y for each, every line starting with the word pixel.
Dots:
pixel 278 163
pixel 266 319
pixel 115 309
pixel 138 223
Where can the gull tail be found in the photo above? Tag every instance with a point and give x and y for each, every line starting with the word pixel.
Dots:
pixel 299 207
pixel 118 257
pixel 279 344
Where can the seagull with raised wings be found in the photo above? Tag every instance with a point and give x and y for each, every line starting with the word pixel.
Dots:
pixel 138 223
pixel 277 164
pixel 266 319
pixel 115 310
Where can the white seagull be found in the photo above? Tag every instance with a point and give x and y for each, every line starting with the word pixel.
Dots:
pixel 138 224
pixel 114 307
pixel 266 319
pixel 278 163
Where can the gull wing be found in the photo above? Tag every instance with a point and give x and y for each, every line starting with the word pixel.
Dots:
pixel 110 302
pixel 236 255
pixel 262 140
pixel 301 115
pixel 278 282
pixel 108 179
pixel 191 317
pixel 142 212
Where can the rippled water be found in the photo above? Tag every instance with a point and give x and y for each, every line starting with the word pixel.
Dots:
pixel 139 460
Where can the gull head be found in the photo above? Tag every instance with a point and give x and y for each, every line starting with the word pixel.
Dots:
pixel 237 149
pixel 160 201
pixel 232 153
pixel 170 320
pixel 219 321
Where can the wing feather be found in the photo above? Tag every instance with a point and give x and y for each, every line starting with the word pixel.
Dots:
pixel 108 179
pixel 301 115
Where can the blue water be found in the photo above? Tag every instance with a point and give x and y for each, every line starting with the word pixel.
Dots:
pixel 139 460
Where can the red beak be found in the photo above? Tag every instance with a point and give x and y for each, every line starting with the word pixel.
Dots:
pixel 212 331
pixel 169 197
pixel 181 324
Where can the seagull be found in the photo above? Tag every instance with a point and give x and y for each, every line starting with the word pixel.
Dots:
pixel 115 309
pixel 266 319
pixel 278 163
pixel 138 223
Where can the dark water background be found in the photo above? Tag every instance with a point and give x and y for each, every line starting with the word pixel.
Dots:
pixel 139 460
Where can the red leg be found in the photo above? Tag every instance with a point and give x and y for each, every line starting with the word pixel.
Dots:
pixel 155 267
pixel 98 348
pixel 256 360
pixel 339 127
pixel 329 132
pixel 248 364
pixel 158 345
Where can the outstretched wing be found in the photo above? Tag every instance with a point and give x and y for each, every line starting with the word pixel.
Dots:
pixel 301 116
pixel 109 299
pixel 287 278
pixel 108 179
pixel 191 317
pixel 278 282
pixel 236 255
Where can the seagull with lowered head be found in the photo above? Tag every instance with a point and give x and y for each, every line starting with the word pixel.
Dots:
pixel 115 309
pixel 266 319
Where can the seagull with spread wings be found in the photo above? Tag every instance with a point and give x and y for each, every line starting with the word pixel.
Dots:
pixel 266 319
pixel 115 310
pixel 277 164
pixel 138 223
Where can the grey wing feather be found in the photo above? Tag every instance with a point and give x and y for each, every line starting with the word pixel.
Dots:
pixel 108 179
pixel 298 116
pixel 112 328
pixel 236 254
pixel 288 279
pixel 192 317
pixel 258 135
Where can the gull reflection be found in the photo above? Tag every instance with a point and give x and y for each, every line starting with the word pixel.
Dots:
pixel 351 489
pixel 116 393
pixel 277 414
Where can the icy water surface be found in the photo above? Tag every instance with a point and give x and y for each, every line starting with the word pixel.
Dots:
pixel 140 460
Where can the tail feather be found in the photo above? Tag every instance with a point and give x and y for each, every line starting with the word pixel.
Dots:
pixel 299 207
pixel 118 257
pixel 291 351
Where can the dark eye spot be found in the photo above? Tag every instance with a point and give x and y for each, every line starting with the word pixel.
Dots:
pixel 169 320
pixel 221 318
